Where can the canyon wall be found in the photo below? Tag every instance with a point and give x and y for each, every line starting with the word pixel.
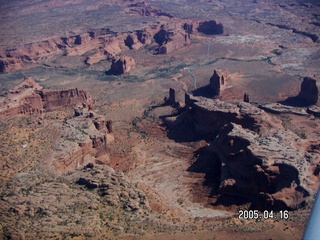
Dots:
pixel 103 44
pixel 27 98
pixel 260 161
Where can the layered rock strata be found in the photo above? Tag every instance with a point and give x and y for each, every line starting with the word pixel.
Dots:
pixel 103 44
pixel 85 139
pixel 260 160
pixel 122 66
pixel 263 167
pixel 28 98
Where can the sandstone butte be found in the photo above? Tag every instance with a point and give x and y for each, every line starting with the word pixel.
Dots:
pixel 259 159
pixel 29 98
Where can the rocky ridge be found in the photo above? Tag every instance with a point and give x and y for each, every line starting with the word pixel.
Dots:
pixel 28 98
pixel 101 44
pixel 95 197
pixel 84 139
pixel 250 144
pixel 83 136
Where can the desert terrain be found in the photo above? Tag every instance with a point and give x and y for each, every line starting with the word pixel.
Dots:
pixel 158 119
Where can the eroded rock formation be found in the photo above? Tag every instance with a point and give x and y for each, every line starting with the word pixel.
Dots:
pixel 129 41
pixel 188 27
pixel 54 100
pixel 169 40
pixel 210 27
pixel 142 9
pixel 163 36
pixel 307 96
pixel 309 91
pixel 258 159
pixel 114 188
pixel 95 45
pixel 84 140
pixel 246 97
pixel 217 82
pixel 122 66
pixel 253 167
pixel 28 98
pixel 280 108
pixel 143 36
pixel 210 115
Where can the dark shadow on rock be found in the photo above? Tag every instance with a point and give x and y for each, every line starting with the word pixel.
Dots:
pixel 307 96
pixel 183 132
pixel 295 102
pixel 229 200
pixel 175 113
pixel 109 72
pixel 210 27
pixel 205 91
pixel 209 164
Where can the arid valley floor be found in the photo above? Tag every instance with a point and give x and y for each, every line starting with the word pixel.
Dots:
pixel 158 119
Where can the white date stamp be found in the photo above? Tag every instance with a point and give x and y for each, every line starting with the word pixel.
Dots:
pixel 255 214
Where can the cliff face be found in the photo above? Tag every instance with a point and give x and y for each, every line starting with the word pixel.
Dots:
pixel 83 141
pixel 261 167
pixel 210 27
pixel 30 105
pixel 309 91
pixel 54 100
pixel 85 43
pixel 169 40
pixel 27 98
pixel 210 115
pixel 122 66
pixel 259 161
pixel 103 44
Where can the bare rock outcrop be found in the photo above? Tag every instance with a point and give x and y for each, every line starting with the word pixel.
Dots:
pixel 315 110
pixel 217 82
pixel 95 45
pixel 129 41
pixel 137 40
pixel 54 100
pixel 22 99
pixel 309 91
pixel 142 9
pixel 113 187
pixel 208 116
pixel 168 40
pixel 28 98
pixel 122 66
pixel 210 27
pixel 143 36
pixel 11 64
pixel 258 157
pixel 171 100
pixel 246 97
pixel 188 27
pixel 279 108
pixel 84 139
pixel 261 166
pixel 163 36
pixel 307 96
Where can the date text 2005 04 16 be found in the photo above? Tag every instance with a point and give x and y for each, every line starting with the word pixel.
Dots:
pixel 255 214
